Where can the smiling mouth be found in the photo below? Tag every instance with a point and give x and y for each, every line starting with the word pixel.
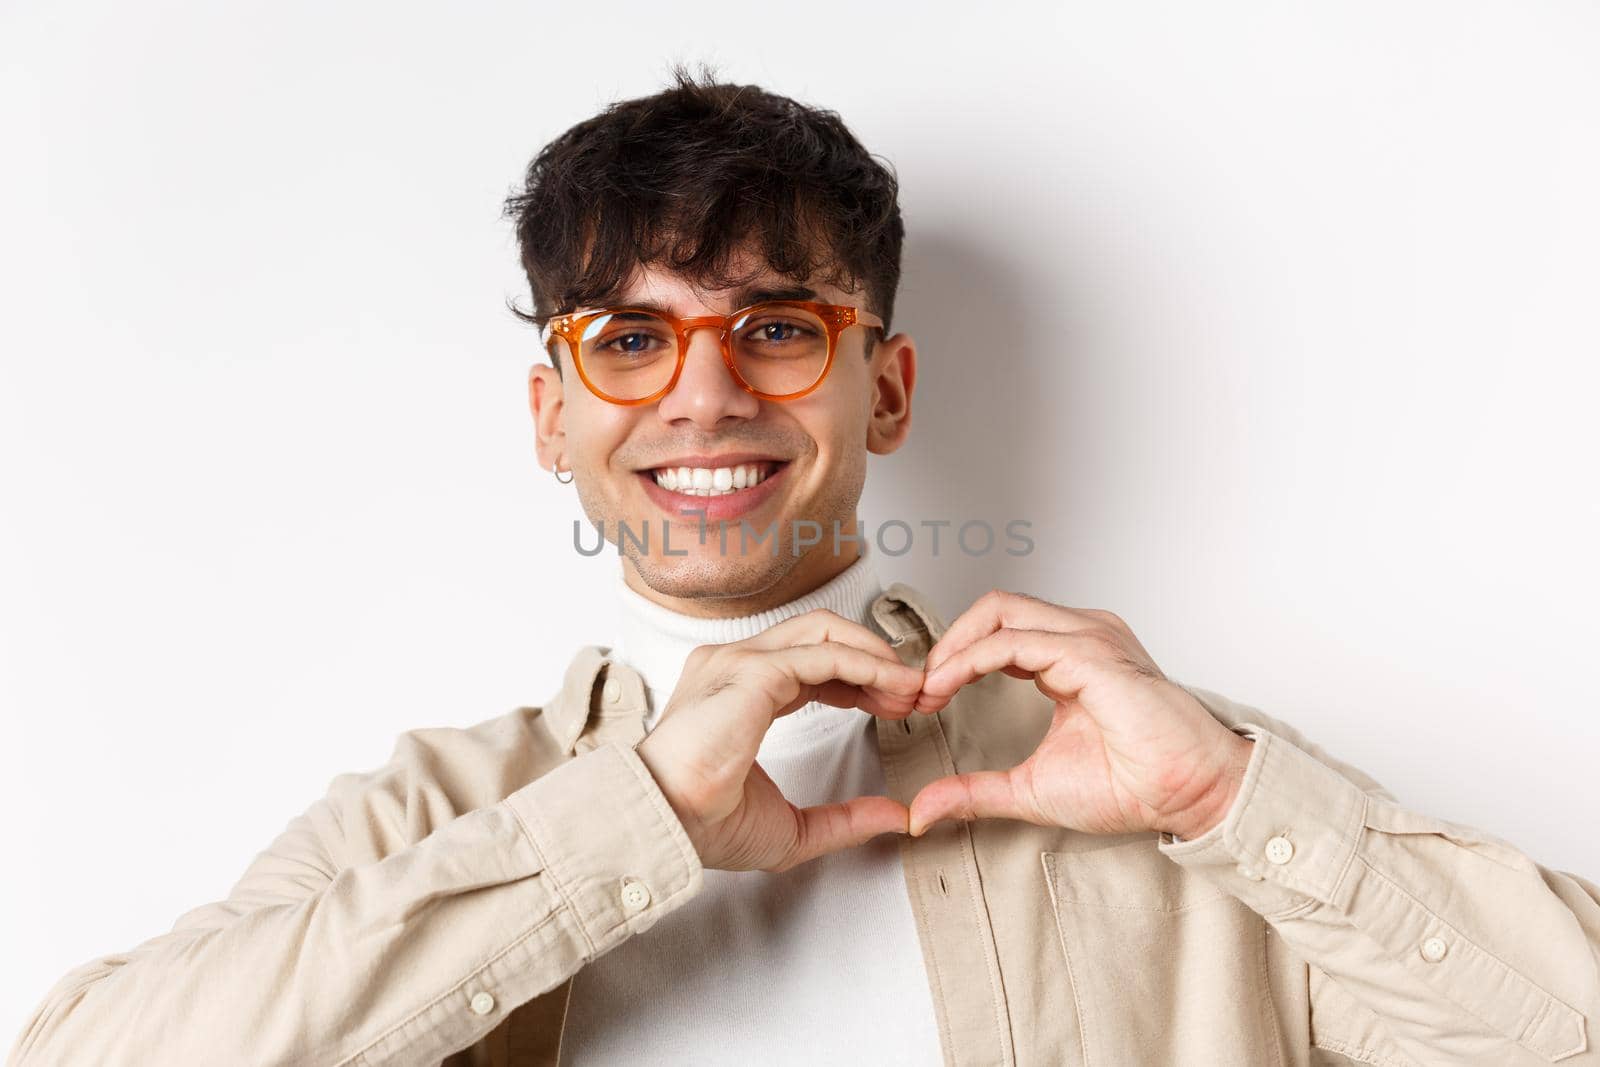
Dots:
pixel 714 481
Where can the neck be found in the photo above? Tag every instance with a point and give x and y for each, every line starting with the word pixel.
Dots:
pixel 815 569
pixel 656 639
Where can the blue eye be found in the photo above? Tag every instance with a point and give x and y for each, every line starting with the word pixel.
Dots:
pixel 779 331
pixel 635 343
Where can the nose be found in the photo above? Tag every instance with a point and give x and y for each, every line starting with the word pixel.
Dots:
pixel 705 392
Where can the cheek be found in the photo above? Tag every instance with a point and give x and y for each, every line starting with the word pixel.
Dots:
pixel 836 415
pixel 595 431
pixel 840 461
pixel 839 428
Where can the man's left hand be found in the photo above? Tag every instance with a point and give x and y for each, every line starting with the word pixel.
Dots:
pixel 1127 750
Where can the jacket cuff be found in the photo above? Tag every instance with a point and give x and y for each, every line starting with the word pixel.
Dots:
pixel 1296 840
pixel 616 851
pixel 1290 837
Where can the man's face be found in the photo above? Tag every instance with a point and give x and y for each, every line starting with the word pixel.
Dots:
pixel 800 460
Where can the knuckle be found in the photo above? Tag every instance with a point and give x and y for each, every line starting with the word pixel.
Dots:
pixel 1003 598
pixel 1110 618
pixel 1148 670
pixel 1110 653
pixel 718 684
pixel 1102 643
pixel 827 617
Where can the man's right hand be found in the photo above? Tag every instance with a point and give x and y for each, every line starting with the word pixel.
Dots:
pixel 702 751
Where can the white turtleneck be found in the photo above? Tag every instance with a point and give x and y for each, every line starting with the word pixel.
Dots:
pixel 816 964
pixel 656 640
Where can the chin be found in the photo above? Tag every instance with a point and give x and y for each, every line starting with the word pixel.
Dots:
pixel 706 573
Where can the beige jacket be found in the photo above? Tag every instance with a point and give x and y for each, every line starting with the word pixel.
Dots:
pixel 433 911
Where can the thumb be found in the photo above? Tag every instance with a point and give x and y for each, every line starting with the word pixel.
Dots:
pixel 978 795
pixel 828 828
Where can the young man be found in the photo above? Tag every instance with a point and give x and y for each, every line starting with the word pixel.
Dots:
pixel 1010 839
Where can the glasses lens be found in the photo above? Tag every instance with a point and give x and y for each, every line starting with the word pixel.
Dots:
pixel 628 355
pixel 780 350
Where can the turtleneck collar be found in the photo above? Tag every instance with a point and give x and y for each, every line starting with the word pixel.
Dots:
pixel 655 640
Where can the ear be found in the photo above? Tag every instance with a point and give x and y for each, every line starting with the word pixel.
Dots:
pixel 544 401
pixel 894 375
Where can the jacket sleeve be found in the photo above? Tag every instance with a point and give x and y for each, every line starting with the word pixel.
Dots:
pixel 1441 943
pixel 401 958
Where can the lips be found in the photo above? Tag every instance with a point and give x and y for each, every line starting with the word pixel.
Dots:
pixel 686 494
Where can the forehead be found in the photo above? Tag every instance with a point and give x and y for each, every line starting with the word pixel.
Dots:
pixel 676 296
pixel 659 287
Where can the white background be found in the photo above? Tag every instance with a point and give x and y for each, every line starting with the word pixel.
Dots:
pixel 1300 382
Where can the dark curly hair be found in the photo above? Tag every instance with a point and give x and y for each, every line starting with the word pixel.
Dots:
pixel 683 178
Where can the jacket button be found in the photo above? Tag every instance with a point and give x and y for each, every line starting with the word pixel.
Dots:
pixel 1433 949
pixel 1279 850
pixel 612 691
pixel 635 897
pixel 482 1003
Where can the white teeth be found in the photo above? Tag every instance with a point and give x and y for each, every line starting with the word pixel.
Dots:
pixel 711 481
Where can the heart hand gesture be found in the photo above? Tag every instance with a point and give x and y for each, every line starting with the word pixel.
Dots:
pixel 702 753
pixel 1127 750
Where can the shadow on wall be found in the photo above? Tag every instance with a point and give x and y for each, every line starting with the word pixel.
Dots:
pixel 979 411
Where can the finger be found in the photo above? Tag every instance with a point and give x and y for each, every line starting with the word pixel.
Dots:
pixel 977 795
pixel 844 695
pixel 821 625
pixel 830 827
pixel 1003 610
pixel 1030 651
pixel 813 666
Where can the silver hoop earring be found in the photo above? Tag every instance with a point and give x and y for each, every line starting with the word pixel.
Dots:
pixel 564 481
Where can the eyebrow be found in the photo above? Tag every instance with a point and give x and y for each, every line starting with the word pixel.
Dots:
pixel 750 294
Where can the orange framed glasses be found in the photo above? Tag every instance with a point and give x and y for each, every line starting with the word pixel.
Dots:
pixel 776 350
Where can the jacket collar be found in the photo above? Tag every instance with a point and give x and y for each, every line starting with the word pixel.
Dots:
pixel 600 694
